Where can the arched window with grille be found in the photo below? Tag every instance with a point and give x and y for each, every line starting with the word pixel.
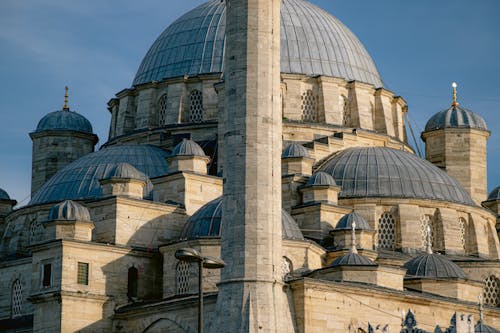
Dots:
pixel 286 268
pixel 162 110
pixel 387 231
pixel 492 291
pixel 462 227
pixel 345 113
pixel 196 106
pixel 426 229
pixel 17 299
pixel 309 106
pixel 182 277
pixel 132 282
pixel 35 230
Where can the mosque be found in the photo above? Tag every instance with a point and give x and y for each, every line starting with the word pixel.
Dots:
pixel 258 132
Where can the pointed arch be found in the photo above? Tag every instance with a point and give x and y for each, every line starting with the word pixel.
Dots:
pixel 196 106
pixel 16 299
pixel 387 231
pixel 162 109
pixel 132 282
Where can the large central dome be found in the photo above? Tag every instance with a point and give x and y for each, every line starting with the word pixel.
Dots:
pixel 313 42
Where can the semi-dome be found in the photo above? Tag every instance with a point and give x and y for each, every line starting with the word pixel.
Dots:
pixel 125 171
pixel 495 194
pixel 188 148
pixel 385 172
pixel 80 179
pixel 321 178
pixel 4 195
pixel 64 121
pixel 294 150
pixel 69 211
pixel 346 222
pixel 456 117
pixel 352 259
pixel 206 223
pixel 313 42
pixel 431 265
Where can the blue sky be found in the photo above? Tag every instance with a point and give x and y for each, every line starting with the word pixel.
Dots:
pixel 95 47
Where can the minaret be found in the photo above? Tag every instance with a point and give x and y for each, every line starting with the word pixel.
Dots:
pixel 251 295
pixel 455 140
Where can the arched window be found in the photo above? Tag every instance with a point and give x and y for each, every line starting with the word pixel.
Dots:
pixel 309 106
pixel 17 299
pixel 35 230
pixel 162 110
pixel 345 113
pixel 426 226
pixel 386 231
pixel 196 106
pixel 286 268
pixel 462 225
pixel 132 282
pixel 492 291
pixel 182 277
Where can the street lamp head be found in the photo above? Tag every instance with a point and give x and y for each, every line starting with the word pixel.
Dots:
pixel 189 255
pixel 213 262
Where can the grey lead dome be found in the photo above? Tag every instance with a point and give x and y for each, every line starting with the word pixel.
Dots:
pixel 433 266
pixel 456 117
pixel 69 211
pixel 313 42
pixel 65 121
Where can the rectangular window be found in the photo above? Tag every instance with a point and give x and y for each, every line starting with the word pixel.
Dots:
pixel 83 273
pixel 47 275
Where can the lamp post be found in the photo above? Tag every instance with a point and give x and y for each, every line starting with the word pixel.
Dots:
pixel 192 255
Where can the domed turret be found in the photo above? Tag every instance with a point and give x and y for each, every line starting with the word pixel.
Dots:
pixel 295 150
pixel 295 159
pixel 6 205
pixel 431 265
pixel 321 179
pixel 60 138
pixel 124 180
pixel 347 220
pixel 455 141
pixel 188 156
pixel 69 220
pixel 69 211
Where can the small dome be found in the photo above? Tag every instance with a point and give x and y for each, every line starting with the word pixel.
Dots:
pixel 495 194
pixel 295 150
pixel 455 117
pixel 346 222
pixel 352 259
pixel 79 180
pixel 64 121
pixel 321 178
pixel 206 223
pixel 483 328
pixel 69 211
pixel 433 266
pixel 4 195
pixel 381 172
pixel 188 148
pixel 125 171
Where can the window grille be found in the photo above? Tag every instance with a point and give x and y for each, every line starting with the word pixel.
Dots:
pixel 386 231
pixel 426 225
pixel 17 298
pixel 133 276
pixel 83 273
pixel 35 229
pixel 462 227
pixel 309 106
pixel 196 106
pixel 491 291
pixel 162 110
pixel 345 112
pixel 47 275
pixel 182 277
pixel 286 268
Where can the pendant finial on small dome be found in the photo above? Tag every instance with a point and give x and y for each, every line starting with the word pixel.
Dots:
pixel 455 103
pixel 353 238
pixel 66 96
pixel 428 241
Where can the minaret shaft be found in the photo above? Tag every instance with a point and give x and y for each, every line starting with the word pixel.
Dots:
pixel 250 293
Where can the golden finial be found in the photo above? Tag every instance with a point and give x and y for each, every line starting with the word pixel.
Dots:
pixel 455 103
pixel 66 95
